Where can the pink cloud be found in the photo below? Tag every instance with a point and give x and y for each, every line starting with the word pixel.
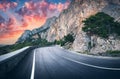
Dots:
pixel 41 8
pixel 35 13
pixel 7 5
pixel 31 15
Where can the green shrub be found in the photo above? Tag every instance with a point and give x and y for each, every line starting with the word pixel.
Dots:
pixel 113 52
pixel 102 25
pixel 39 42
pixel 66 39
pixel 69 38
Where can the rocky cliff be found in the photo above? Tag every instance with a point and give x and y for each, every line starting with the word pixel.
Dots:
pixel 36 33
pixel 70 21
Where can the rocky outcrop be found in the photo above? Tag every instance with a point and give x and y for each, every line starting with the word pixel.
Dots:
pixel 35 33
pixel 94 44
pixel 70 21
pixel 102 45
pixel 114 1
pixel 113 10
pixel 24 36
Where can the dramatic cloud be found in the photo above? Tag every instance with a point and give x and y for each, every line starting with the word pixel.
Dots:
pixel 4 5
pixel 11 37
pixel 33 12
pixel 31 15
pixel 7 26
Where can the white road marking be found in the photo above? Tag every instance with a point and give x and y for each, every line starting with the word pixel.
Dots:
pixel 92 56
pixel 91 65
pixel 33 66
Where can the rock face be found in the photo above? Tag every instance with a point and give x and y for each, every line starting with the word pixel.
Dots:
pixel 36 32
pixel 99 45
pixel 102 45
pixel 24 36
pixel 114 1
pixel 70 21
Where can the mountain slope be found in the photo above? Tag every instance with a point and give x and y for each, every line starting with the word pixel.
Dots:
pixel 70 21
pixel 29 34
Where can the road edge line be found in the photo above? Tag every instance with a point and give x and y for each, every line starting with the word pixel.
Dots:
pixel 33 66
pixel 93 56
pixel 98 67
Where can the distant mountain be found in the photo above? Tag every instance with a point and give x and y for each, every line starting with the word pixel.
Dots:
pixel 28 34
pixel 1 45
pixel 71 21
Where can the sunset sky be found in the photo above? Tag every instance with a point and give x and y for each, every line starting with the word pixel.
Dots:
pixel 16 16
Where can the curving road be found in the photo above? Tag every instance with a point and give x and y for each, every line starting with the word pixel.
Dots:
pixel 57 63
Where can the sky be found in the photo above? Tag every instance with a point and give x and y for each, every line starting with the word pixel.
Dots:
pixel 16 16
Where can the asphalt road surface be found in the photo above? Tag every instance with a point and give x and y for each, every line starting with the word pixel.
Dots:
pixel 57 63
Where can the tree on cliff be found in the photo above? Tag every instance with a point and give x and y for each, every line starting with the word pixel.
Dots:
pixel 102 25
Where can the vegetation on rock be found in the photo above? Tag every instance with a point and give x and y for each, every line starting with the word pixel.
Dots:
pixel 113 52
pixel 66 39
pixel 38 42
pixel 102 25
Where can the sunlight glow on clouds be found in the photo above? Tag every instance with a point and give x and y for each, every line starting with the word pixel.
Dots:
pixel 31 15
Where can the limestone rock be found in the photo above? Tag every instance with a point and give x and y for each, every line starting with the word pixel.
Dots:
pixel 70 21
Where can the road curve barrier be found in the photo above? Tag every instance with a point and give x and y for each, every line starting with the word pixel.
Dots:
pixel 10 60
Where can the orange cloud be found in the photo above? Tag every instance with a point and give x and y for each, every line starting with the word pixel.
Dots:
pixel 31 15
pixel 31 22
pixel 11 37
pixel 11 34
